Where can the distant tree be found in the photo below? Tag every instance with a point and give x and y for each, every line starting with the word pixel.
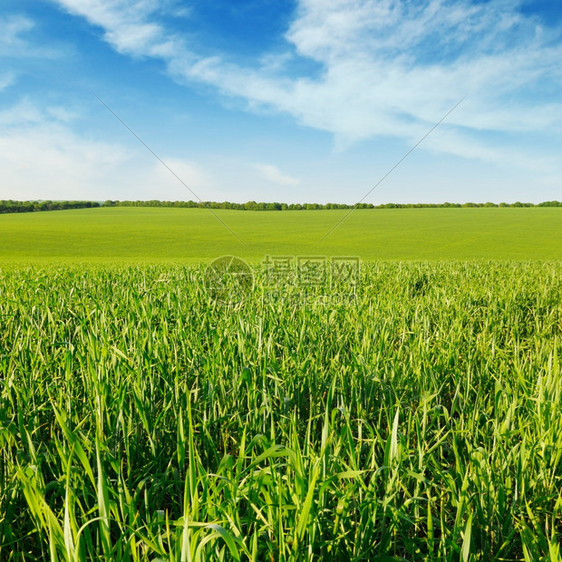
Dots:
pixel 12 206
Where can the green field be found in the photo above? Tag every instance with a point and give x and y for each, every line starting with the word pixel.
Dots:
pixel 195 235
pixel 149 412
pixel 418 420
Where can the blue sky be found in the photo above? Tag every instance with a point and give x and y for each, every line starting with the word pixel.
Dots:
pixel 281 100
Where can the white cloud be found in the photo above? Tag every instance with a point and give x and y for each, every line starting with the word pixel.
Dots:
pixel 16 39
pixel 6 80
pixel 198 182
pixel 127 26
pixel 389 67
pixel 41 157
pixel 62 114
pixel 11 29
pixel 21 114
pixel 449 140
pixel 272 174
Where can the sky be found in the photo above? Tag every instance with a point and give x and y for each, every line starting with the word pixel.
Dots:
pixel 281 100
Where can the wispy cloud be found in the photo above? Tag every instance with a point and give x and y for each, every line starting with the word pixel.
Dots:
pixel 389 67
pixel 199 181
pixel 273 174
pixel 507 154
pixel 11 30
pixel 128 26
pixel 6 79
pixel 16 39
pixel 42 157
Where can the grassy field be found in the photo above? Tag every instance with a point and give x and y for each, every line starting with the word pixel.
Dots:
pixel 412 413
pixel 193 235
pixel 419 420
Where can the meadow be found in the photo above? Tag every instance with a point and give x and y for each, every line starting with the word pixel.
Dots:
pixel 410 413
pixel 142 420
pixel 196 235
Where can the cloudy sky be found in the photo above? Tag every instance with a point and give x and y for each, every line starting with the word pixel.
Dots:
pixel 281 100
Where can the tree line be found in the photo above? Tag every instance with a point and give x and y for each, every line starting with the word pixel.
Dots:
pixel 263 206
pixel 11 206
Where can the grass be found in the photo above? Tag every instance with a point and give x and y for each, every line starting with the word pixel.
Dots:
pixel 141 420
pixel 155 235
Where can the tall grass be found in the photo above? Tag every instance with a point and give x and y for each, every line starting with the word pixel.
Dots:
pixel 141 420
